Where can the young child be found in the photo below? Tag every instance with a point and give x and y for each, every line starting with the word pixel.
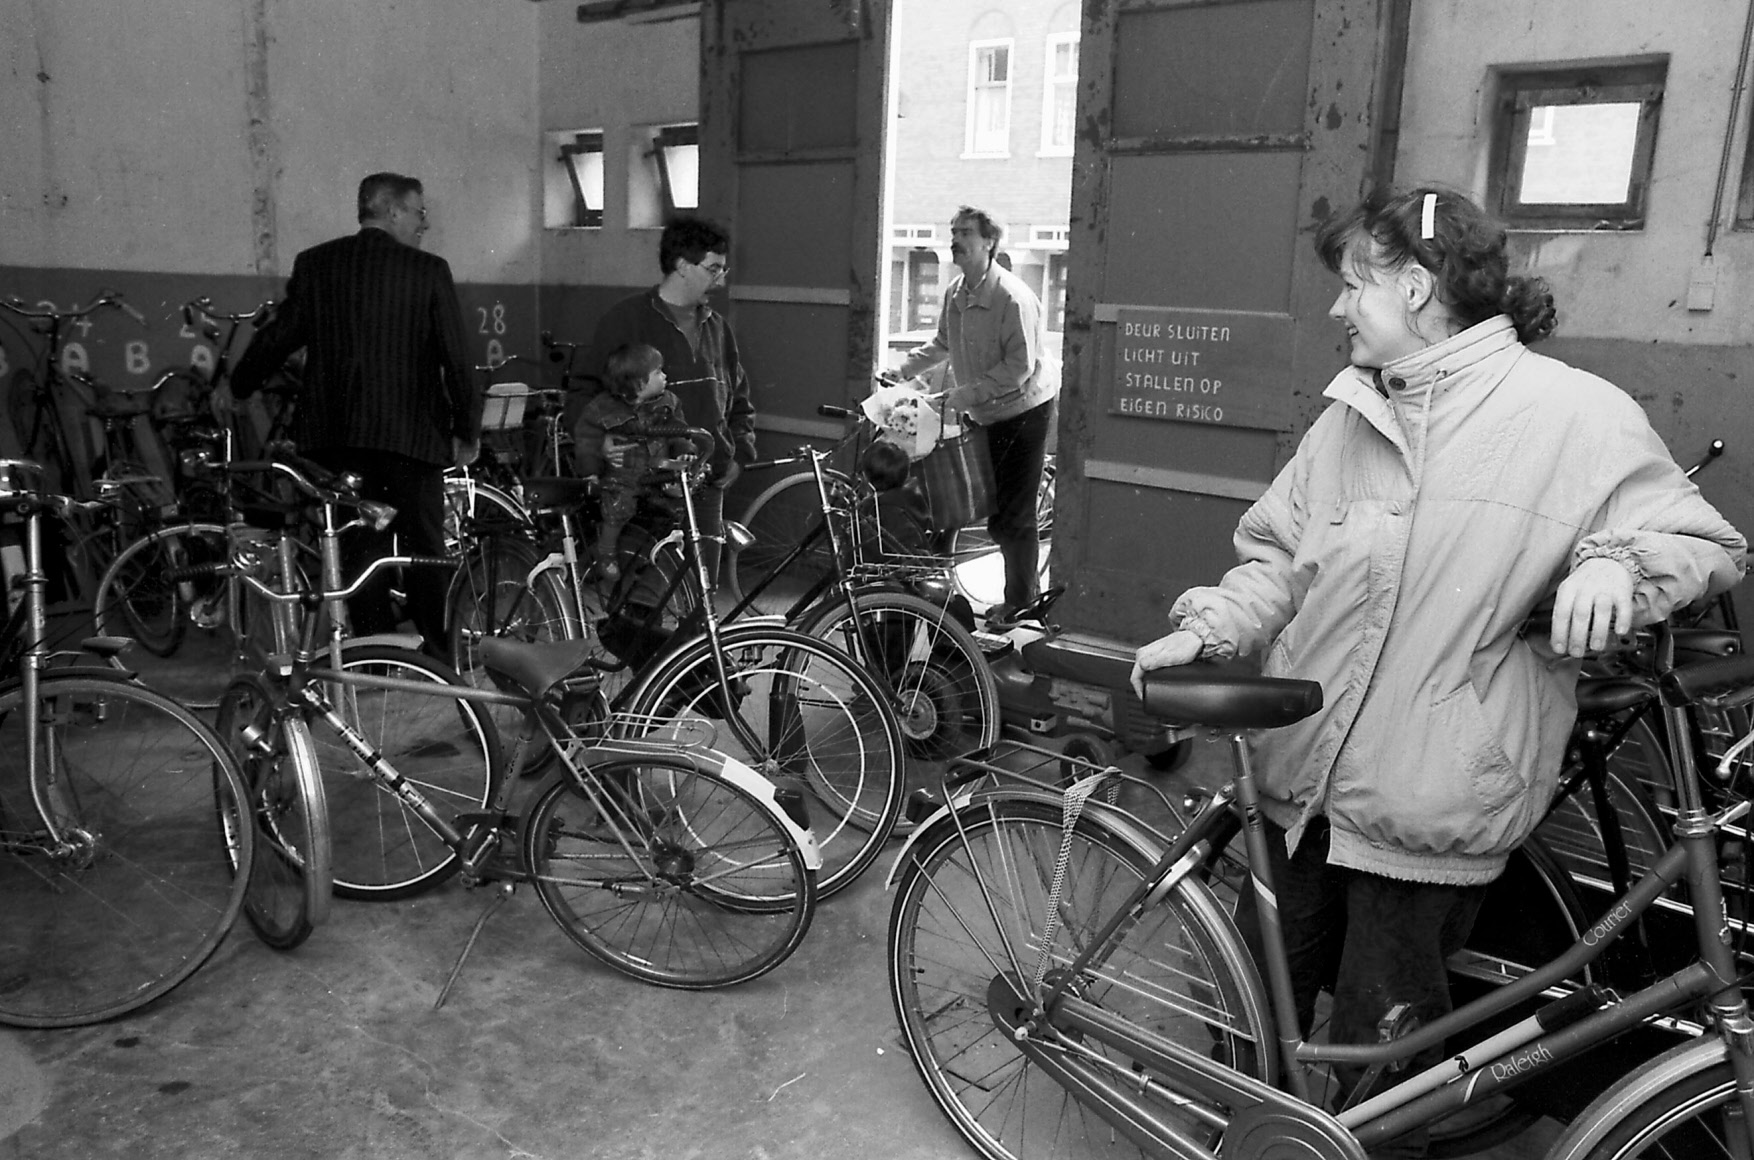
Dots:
pixel 636 395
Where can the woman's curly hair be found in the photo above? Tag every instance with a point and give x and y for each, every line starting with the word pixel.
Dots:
pixel 1465 253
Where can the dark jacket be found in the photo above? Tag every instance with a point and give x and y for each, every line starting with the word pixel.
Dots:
pixel 386 367
pixel 710 383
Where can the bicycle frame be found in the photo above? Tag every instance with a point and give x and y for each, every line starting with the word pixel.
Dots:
pixel 1050 1024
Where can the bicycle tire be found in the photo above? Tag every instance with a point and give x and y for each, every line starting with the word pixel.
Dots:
pixel 446 748
pixel 694 884
pixel 137 596
pixel 147 892
pixel 1686 1119
pixel 1181 971
pixel 800 710
pixel 292 878
pixel 945 696
pixel 502 590
pixel 777 519
pixel 974 554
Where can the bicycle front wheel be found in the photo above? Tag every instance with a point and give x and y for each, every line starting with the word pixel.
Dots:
pixel 446 748
pixel 973 905
pixel 134 887
pixel 292 876
pixel 669 873
pixel 945 697
pixel 1697 1118
pixel 795 709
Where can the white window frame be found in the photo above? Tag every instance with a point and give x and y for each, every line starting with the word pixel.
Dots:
pixel 975 87
pixel 1052 86
pixel 914 233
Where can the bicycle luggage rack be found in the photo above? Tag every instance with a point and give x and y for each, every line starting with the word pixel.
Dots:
pixel 1053 771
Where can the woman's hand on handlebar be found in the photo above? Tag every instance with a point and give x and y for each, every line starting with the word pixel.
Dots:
pixel 1166 652
pixel 1592 606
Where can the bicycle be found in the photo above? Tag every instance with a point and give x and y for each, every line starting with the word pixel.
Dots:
pixel 662 858
pixel 783 512
pixel 51 410
pixel 125 855
pixel 792 705
pixel 1052 945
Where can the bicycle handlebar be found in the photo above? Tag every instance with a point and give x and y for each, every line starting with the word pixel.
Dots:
pixel 105 298
pixel 1716 449
pixel 203 306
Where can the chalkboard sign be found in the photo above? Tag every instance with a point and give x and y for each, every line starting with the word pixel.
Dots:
pixel 1202 366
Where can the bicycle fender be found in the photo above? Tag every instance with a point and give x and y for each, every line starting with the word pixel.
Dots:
pixel 710 761
pixel 1609 1108
pixel 1143 841
pixel 743 777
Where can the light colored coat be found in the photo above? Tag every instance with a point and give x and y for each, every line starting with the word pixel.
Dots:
pixel 994 339
pixel 1394 560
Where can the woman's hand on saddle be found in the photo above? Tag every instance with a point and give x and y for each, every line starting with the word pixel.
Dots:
pixel 1592 606
pixel 1178 648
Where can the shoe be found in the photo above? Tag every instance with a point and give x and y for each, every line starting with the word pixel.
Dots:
pixel 1001 616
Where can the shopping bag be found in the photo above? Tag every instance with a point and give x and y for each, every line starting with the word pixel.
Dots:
pixel 957 478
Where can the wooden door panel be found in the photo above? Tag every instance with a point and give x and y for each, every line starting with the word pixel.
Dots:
pixel 1215 136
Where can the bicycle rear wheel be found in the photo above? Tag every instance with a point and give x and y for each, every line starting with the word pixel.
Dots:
pixel 167 591
pixel 446 748
pixel 798 710
pixel 291 880
pixel 969 910
pixel 979 573
pixel 672 874
pixel 140 890
pixel 499 592
pixel 945 697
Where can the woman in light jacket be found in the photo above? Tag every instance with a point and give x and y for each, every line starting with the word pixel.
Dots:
pixel 1456 481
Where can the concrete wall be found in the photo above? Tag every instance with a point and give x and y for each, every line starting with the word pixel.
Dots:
pixel 615 77
pixel 175 150
pixel 1622 297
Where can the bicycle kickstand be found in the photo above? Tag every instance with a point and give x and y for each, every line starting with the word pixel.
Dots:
pixel 498 900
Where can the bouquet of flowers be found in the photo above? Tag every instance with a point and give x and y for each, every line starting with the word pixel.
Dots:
pixel 905 416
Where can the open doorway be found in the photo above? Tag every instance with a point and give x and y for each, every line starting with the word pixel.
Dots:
pixel 982 97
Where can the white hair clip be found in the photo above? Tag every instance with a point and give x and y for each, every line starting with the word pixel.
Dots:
pixel 1428 218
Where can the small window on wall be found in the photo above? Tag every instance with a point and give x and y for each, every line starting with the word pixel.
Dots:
pixel 989 99
pixel 676 150
pixel 1572 147
pixel 663 174
pixel 1060 98
pixel 581 156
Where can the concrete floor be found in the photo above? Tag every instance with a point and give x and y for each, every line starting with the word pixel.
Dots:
pixel 333 1050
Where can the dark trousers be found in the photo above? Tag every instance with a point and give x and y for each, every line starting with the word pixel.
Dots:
pixel 1018 448
pixel 417 491
pixel 1372 942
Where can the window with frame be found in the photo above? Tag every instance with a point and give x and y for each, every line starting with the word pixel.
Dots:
pixel 1059 105
pixel 676 153
pixel 989 98
pixel 581 155
pixel 1572 146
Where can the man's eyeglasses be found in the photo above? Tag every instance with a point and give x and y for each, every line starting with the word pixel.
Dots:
pixel 715 270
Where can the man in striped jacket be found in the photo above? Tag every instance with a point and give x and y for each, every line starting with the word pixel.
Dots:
pixel 387 386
